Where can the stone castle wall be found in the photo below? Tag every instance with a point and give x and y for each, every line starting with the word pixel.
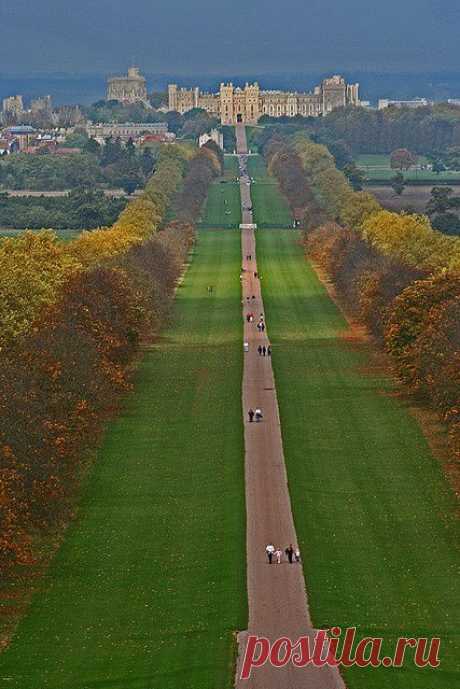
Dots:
pixel 248 104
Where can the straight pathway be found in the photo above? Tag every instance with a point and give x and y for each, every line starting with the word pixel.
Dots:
pixel 277 597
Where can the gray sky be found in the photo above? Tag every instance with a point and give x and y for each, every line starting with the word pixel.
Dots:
pixel 234 36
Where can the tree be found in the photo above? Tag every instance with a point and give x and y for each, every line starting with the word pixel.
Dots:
pixel 342 153
pixel 355 176
pixel 92 147
pixel 438 166
pixel 449 223
pixel 402 159
pixel 440 200
pixel 398 183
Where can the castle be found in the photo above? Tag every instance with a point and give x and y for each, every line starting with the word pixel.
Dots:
pixel 128 89
pixel 233 104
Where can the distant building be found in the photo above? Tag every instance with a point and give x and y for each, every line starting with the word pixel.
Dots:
pixel 233 104
pixel 126 131
pixel 128 89
pixel 22 134
pixel 416 103
pixel 214 135
pixel 13 106
pixel 5 146
pixel 41 105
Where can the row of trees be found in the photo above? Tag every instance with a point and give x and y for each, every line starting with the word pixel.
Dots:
pixel 398 275
pixel 112 165
pixel 427 130
pixel 81 208
pixel 65 364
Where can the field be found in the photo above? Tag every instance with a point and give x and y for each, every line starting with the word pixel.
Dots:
pixel 270 207
pixel 150 583
pixel 373 513
pixel 223 207
pixel 413 198
pixel 377 167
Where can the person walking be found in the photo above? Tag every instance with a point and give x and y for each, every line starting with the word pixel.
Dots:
pixel 278 554
pixel 290 553
pixel 251 415
pixel 269 350
pixel 248 317
pixel 264 350
pixel 262 326
pixel 259 349
pixel 297 554
pixel 258 415
pixel 270 549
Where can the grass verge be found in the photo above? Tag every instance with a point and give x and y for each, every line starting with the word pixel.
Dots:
pixel 270 207
pixel 373 512
pixel 150 583
pixel 223 207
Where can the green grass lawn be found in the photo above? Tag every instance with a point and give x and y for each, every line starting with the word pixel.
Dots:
pixel 270 207
pixel 150 583
pixel 377 167
pixel 223 207
pixel 373 513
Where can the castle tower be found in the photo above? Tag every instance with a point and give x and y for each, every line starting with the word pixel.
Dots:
pixel 252 94
pixel 334 92
pixel 172 97
pixel 128 89
pixel 226 104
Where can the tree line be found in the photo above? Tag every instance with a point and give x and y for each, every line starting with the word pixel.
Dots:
pixel 433 129
pixel 396 273
pixel 112 165
pixel 81 208
pixel 72 319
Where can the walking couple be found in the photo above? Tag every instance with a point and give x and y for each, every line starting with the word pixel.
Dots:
pixel 257 415
pixel 293 554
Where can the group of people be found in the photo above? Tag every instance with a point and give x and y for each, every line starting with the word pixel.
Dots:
pixel 255 415
pixel 292 554
pixel 264 351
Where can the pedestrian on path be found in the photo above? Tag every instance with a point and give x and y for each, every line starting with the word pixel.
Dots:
pixel 269 350
pixel 251 415
pixel 259 327
pixel 290 553
pixel 278 554
pixel 210 289
pixel 255 274
pixel 258 415
pixel 297 554
pixel 264 350
pixel 262 326
pixel 259 349
pixel 270 549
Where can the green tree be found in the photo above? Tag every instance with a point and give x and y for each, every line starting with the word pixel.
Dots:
pixel 440 200
pixel 398 183
pixel 355 176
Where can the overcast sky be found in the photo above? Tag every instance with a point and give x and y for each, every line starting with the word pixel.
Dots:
pixel 234 36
